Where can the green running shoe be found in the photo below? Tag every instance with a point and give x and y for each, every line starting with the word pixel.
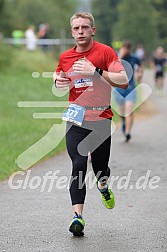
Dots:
pixel 107 197
pixel 77 225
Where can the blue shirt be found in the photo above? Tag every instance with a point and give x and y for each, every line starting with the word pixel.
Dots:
pixel 133 61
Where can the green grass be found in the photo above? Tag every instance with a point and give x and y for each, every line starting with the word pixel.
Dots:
pixel 19 130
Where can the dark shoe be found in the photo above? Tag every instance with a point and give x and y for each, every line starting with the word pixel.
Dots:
pixel 128 137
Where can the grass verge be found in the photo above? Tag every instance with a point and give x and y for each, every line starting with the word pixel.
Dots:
pixel 19 130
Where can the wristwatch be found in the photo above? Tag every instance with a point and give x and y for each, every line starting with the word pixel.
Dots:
pixel 98 72
pixel 55 82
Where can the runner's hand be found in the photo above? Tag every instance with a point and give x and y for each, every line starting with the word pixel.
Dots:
pixel 84 66
pixel 62 82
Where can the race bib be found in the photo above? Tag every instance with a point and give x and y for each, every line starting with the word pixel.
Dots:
pixel 75 114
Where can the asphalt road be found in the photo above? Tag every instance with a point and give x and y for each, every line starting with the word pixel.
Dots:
pixel 36 220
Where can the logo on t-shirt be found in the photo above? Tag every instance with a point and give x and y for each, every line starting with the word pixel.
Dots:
pixel 84 82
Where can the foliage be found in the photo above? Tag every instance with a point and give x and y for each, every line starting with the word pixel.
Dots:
pixel 137 23
pixel 5 17
pixel 141 21
pixel 6 55
pixel 161 18
pixel 24 13
pixel 105 17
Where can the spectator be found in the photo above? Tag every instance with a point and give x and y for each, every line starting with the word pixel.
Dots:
pixel 31 38
pixel 116 44
pixel 17 36
pixel 43 33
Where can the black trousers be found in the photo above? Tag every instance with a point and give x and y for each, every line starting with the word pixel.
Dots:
pixel 93 137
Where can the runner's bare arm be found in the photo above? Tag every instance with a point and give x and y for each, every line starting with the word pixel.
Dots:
pixel 119 79
pixel 115 79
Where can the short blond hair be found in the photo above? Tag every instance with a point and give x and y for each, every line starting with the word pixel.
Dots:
pixel 86 15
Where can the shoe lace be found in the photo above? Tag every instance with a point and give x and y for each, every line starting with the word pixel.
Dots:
pixel 77 215
pixel 106 195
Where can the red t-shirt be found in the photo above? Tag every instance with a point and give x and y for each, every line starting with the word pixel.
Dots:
pixel 90 90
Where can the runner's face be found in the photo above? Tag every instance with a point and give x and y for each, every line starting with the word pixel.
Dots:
pixel 82 31
pixel 125 51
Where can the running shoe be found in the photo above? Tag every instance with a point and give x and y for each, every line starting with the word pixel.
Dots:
pixel 107 197
pixel 77 225
pixel 127 137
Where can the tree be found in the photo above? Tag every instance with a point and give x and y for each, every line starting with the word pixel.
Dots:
pixel 5 18
pixel 137 23
pixel 24 13
pixel 161 18
pixel 105 15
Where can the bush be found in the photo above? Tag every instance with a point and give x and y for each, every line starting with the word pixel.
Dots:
pixel 6 56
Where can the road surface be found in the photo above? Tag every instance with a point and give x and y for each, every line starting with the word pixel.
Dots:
pixel 36 219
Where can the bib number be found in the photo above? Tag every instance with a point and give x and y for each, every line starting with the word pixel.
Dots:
pixel 75 114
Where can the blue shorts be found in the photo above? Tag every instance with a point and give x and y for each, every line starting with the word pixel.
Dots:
pixel 127 96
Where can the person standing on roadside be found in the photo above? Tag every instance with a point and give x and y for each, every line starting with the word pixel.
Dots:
pixel 31 38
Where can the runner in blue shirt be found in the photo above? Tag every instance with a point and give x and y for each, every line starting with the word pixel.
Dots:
pixel 126 98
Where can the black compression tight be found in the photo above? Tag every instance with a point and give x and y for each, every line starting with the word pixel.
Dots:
pixel 96 138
